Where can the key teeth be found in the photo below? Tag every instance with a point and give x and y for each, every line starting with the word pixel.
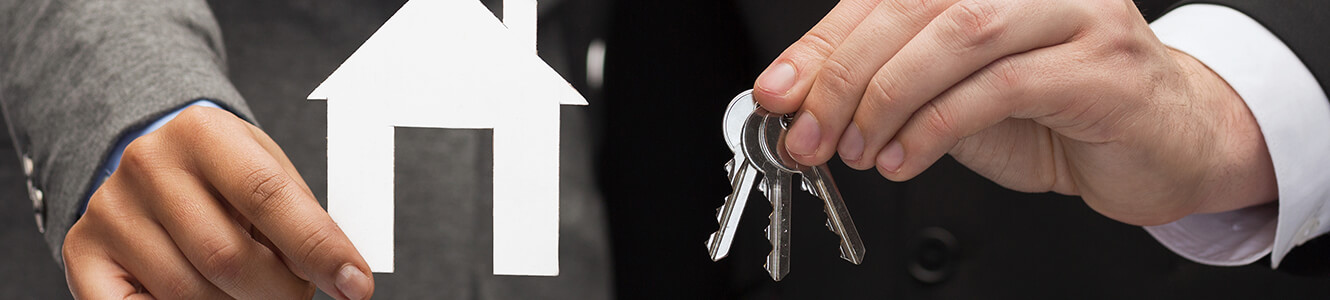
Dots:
pixel 767 266
pixel 771 256
pixel 711 241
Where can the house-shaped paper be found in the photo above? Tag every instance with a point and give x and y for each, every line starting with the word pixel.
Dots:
pixel 450 64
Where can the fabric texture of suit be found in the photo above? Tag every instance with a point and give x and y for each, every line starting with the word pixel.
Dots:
pixel 79 73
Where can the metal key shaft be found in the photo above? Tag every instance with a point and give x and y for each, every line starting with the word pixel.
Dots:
pixel 756 137
pixel 838 216
pixel 818 181
pixel 741 172
pixel 760 141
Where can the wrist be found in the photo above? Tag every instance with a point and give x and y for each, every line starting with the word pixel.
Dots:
pixel 1239 171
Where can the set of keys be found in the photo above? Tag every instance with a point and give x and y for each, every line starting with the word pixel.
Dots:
pixel 757 138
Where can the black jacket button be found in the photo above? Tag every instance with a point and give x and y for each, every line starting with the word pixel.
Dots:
pixel 934 257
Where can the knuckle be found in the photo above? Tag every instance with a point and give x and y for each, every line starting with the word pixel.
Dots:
pixel 110 206
pixel 190 119
pixel 143 154
pixel 112 223
pixel 69 250
pixel 881 96
pixel 200 125
pixel 269 192
pixel 223 261
pixel 937 123
pixel 199 115
pixel 836 77
pixel 314 245
pixel 75 242
pixel 1119 38
pixel 914 8
pixel 973 24
pixel 1004 74
pixel 1119 35
pixel 819 41
pixel 181 287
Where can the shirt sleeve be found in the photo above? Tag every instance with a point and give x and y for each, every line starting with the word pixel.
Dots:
pixel 1293 113
pixel 113 158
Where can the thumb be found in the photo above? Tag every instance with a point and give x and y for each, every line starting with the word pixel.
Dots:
pixel 785 83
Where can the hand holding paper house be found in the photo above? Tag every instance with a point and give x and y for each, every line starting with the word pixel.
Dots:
pixel 450 64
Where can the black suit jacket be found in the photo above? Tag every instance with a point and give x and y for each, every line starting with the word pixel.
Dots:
pixel 947 234
pixel 1300 24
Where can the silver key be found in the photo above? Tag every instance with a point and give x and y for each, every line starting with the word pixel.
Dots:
pixel 818 181
pixel 741 173
pixel 760 141
pixel 756 137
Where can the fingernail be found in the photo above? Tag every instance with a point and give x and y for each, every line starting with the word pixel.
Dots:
pixel 778 79
pixel 804 135
pixel 353 283
pixel 891 157
pixel 851 144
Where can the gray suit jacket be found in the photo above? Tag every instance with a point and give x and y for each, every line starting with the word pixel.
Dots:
pixel 76 74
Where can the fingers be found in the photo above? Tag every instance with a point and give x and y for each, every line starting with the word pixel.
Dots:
pixel 841 78
pixel 261 189
pixel 162 269
pixel 216 245
pixel 782 87
pixel 91 274
pixel 1013 86
pixel 119 230
pixel 962 40
pixel 276 152
pixel 143 248
pixel 158 223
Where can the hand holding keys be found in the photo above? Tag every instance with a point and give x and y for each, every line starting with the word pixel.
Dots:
pixel 756 137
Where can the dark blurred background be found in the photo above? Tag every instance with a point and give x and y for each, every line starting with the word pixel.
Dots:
pixel 671 67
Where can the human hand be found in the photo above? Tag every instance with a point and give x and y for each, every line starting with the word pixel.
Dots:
pixel 209 207
pixel 1075 97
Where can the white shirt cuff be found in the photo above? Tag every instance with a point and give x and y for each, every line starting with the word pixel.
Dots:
pixel 1294 115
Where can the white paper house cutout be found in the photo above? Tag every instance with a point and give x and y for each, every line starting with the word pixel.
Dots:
pixel 450 64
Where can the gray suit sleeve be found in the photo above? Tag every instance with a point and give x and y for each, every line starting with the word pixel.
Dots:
pixel 77 74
